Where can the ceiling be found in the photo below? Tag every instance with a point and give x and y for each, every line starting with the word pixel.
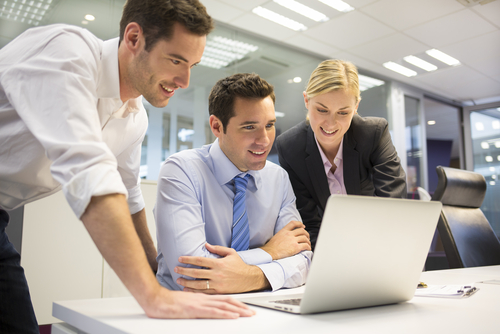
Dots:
pixel 377 31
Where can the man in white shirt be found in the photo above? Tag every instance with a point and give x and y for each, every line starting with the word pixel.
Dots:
pixel 197 205
pixel 71 118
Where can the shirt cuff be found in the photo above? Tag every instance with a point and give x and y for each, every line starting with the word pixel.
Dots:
pixel 274 274
pixel 98 180
pixel 135 199
pixel 255 256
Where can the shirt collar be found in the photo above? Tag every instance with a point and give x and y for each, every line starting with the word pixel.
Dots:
pixel 225 171
pixel 108 85
pixel 326 162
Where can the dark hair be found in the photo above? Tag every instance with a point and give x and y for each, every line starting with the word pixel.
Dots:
pixel 244 85
pixel 157 18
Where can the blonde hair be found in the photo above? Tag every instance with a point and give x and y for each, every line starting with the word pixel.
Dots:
pixel 334 74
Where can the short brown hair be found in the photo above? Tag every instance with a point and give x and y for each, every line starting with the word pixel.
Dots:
pixel 243 85
pixel 157 18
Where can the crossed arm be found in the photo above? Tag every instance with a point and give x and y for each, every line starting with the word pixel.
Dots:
pixel 229 274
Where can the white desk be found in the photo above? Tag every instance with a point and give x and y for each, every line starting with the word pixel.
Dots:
pixel 478 314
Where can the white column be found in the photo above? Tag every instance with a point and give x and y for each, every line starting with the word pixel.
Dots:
pixel 173 131
pixel 200 115
pixel 396 115
pixel 154 150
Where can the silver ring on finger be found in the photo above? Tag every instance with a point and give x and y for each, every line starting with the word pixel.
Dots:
pixel 208 285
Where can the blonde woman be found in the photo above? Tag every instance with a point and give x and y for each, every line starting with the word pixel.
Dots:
pixel 336 151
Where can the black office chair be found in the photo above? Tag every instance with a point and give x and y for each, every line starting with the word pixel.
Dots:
pixel 468 239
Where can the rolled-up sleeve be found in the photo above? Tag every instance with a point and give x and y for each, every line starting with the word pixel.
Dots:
pixel 66 123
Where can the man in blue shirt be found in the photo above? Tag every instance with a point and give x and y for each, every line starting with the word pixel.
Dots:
pixel 196 190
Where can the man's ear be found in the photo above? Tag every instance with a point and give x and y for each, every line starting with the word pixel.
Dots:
pixel 216 126
pixel 133 38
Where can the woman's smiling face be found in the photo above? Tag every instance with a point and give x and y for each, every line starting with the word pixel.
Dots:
pixel 330 115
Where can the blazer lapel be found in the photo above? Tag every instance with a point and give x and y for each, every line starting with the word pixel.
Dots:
pixel 315 168
pixel 351 161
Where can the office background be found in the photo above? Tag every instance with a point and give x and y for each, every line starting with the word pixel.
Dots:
pixel 449 116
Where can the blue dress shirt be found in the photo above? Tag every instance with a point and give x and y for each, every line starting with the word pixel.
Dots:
pixel 195 205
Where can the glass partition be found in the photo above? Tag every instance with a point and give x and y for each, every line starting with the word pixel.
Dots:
pixel 485 136
pixel 183 124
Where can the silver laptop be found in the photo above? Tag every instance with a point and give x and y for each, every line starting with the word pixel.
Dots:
pixel 370 251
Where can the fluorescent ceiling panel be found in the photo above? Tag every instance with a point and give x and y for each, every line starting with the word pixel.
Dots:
pixel 400 69
pixel 420 63
pixel 441 56
pixel 278 18
pixel 303 10
pixel 25 11
pixel 339 5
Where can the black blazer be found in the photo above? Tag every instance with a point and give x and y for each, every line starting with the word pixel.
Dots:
pixel 371 166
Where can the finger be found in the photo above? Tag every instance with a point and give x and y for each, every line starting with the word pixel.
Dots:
pixel 303 240
pixel 300 231
pixel 293 225
pixel 213 312
pixel 219 250
pixel 233 305
pixel 208 292
pixel 195 284
pixel 227 306
pixel 193 272
pixel 197 261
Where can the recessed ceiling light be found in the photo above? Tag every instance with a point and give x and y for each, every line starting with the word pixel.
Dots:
pixel 431 122
pixel 303 10
pixel 339 5
pixel 488 158
pixel 278 18
pixel 497 144
pixel 399 69
pixel 420 63
pixel 279 114
pixel 492 183
pixel 297 79
pixel 439 55
pixel 479 126
pixel 85 22
pixel 495 125
pixel 89 17
pixel 485 145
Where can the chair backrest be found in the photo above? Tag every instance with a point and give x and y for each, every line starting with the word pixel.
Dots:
pixel 467 236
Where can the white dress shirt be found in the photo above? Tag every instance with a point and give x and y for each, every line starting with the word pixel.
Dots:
pixel 195 205
pixel 62 122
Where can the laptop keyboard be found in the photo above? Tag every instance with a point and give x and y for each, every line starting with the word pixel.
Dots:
pixel 295 301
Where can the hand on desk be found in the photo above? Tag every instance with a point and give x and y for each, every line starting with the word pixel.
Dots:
pixel 228 274
pixel 290 240
pixel 186 305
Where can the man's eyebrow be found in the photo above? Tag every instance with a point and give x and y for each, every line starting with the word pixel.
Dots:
pixel 173 55
pixel 254 122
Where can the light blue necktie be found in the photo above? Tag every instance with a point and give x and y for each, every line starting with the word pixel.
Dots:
pixel 241 233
